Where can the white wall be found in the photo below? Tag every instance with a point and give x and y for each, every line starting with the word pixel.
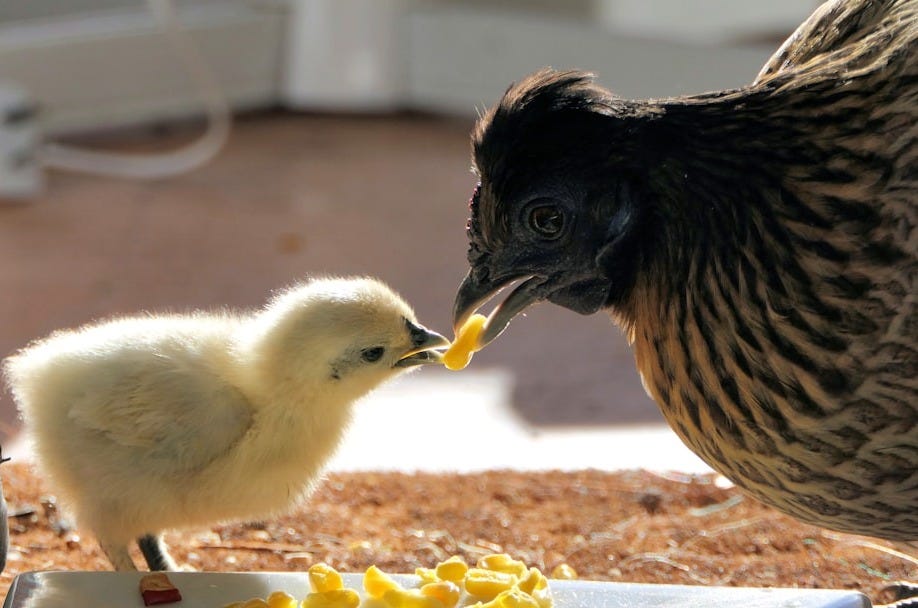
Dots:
pixel 465 58
pixel 116 68
pixel 31 10
pixel 706 22
pixel 93 63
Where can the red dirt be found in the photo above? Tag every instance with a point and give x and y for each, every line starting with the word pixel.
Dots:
pixel 614 526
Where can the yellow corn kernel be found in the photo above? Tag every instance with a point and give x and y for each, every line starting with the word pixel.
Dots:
pixel 255 602
pixel 487 584
pixel 281 599
pixel 410 598
pixel 454 569
pixel 459 353
pixel 427 575
pixel 376 582
pixel 501 562
pixel 564 572
pixel 543 597
pixel 445 591
pixel 514 598
pixel 335 598
pixel 492 603
pixel 532 581
pixel 347 598
pixel 323 577
pixel 536 585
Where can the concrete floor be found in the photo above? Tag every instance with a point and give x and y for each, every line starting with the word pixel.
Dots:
pixel 294 195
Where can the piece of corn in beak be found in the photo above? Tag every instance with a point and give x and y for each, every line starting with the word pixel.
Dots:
pixel 459 353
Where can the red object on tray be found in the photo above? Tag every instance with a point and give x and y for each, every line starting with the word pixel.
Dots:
pixel 156 588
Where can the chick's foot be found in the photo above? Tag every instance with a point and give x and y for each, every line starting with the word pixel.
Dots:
pixel 155 553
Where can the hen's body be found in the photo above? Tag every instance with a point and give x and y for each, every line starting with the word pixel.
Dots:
pixel 780 334
pixel 759 246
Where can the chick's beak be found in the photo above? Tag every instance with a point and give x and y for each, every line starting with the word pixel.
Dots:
pixel 423 343
pixel 474 292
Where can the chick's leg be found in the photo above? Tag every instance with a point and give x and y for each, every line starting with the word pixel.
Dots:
pixel 118 555
pixel 155 552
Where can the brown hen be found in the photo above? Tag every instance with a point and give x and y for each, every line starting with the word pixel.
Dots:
pixel 759 247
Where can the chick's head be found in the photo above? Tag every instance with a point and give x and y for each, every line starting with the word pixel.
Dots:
pixel 347 333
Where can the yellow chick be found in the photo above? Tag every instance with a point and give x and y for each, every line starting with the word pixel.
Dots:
pixel 152 423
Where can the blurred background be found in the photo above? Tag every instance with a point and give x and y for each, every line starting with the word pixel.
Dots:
pixel 164 156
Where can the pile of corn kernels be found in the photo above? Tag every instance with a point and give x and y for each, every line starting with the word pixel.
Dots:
pixel 496 581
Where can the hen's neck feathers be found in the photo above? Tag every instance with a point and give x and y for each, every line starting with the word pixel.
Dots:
pixel 809 161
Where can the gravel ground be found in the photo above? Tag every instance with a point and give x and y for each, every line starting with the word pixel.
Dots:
pixel 613 526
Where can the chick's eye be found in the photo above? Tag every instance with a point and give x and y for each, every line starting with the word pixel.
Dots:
pixel 371 355
pixel 546 220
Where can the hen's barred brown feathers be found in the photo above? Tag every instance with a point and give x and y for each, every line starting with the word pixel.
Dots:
pixel 786 355
pixel 759 246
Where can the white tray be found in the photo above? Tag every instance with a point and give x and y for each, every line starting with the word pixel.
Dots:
pixel 214 590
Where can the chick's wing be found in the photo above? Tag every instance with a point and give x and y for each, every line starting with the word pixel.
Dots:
pixel 177 415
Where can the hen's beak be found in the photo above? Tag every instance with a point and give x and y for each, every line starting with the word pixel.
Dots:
pixel 473 293
pixel 423 341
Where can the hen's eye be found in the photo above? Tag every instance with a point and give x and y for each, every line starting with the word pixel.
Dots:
pixel 546 220
pixel 371 355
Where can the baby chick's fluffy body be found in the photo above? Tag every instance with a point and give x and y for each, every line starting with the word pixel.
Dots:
pixel 163 422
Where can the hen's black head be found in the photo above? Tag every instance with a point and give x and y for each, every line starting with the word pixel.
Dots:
pixel 556 206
